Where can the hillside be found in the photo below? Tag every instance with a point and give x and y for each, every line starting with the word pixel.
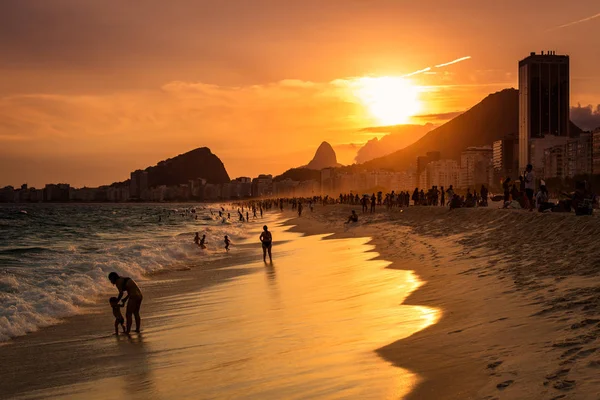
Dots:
pixel 397 137
pixel 299 174
pixel 198 163
pixel 492 119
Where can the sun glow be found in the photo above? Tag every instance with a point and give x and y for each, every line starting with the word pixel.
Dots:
pixel 390 100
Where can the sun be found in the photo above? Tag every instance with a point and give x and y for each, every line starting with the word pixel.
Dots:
pixel 390 100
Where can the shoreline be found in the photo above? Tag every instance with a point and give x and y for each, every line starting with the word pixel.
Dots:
pixel 82 363
pixel 519 313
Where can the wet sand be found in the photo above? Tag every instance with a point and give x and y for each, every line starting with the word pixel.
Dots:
pixel 306 327
pixel 518 294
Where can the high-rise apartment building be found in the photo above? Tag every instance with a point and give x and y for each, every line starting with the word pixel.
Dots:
pixel 543 100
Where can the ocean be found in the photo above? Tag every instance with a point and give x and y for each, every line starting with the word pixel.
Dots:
pixel 54 258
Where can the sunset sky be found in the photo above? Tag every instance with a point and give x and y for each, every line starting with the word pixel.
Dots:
pixel 91 90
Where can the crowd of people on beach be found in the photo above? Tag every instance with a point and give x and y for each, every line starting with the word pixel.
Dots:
pixel 520 194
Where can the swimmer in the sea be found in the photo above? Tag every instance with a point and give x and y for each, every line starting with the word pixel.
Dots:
pixel 119 320
pixel 134 296
pixel 267 243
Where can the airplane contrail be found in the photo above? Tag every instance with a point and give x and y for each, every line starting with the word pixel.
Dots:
pixel 453 62
pixel 577 22
pixel 437 66
pixel 418 72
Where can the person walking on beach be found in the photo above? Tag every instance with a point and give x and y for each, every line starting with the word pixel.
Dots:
pixel 529 185
pixel 134 299
pixel 227 243
pixel 197 239
pixel 506 188
pixel 203 242
pixel 266 239
pixel 373 199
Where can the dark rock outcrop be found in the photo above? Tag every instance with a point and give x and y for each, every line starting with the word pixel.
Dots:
pixel 198 163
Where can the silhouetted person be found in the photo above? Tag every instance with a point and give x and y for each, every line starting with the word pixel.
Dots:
pixel 266 239
pixel 116 309
pixel 134 298
pixel 353 217
pixel 227 243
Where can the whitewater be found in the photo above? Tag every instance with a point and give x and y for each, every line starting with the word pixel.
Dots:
pixel 54 258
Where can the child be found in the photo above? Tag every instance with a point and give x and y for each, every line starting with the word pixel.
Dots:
pixel 119 320
pixel 227 242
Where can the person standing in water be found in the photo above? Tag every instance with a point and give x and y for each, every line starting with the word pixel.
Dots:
pixel 134 299
pixel 267 243
pixel 227 243
pixel 197 239
pixel 203 242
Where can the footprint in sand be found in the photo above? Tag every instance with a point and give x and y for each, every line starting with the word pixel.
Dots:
pixel 558 374
pixel 494 365
pixel 505 384
pixel 586 353
pixel 564 385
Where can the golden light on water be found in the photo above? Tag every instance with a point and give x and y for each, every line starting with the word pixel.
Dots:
pixel 390 100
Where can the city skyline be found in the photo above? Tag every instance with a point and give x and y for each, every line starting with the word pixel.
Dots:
pixel 89 95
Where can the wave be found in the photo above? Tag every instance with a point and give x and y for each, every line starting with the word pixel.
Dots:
pixel 25 250
pixel 41 285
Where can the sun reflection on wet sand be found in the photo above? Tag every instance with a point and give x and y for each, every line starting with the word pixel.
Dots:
pixel 306 326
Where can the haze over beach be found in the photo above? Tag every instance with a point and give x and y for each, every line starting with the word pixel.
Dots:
pixel 304 199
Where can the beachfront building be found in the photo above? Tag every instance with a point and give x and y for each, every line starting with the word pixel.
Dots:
pixel 117 193
pixel 138 185
pixel 26 195
pixel 327 177
pixel 543 102
pixel 554 165
pixel 476 167
pixel 574 157
pixel 443 173
pixel 262 185
pixel 423 161
pixel 538 146
pixel 405 180
pixel 505 156
pixel 578 155
pixel 59 192
pixel 596 152
pixel 7 194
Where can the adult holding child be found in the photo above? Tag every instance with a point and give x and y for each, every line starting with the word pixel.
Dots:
pixel 134 299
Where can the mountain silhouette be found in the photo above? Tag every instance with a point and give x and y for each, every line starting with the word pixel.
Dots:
pixel 492 119
pixel 198 163
pixel 324 158
pixel 397 137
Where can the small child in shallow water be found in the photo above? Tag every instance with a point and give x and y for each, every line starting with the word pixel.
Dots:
pixel 119 320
